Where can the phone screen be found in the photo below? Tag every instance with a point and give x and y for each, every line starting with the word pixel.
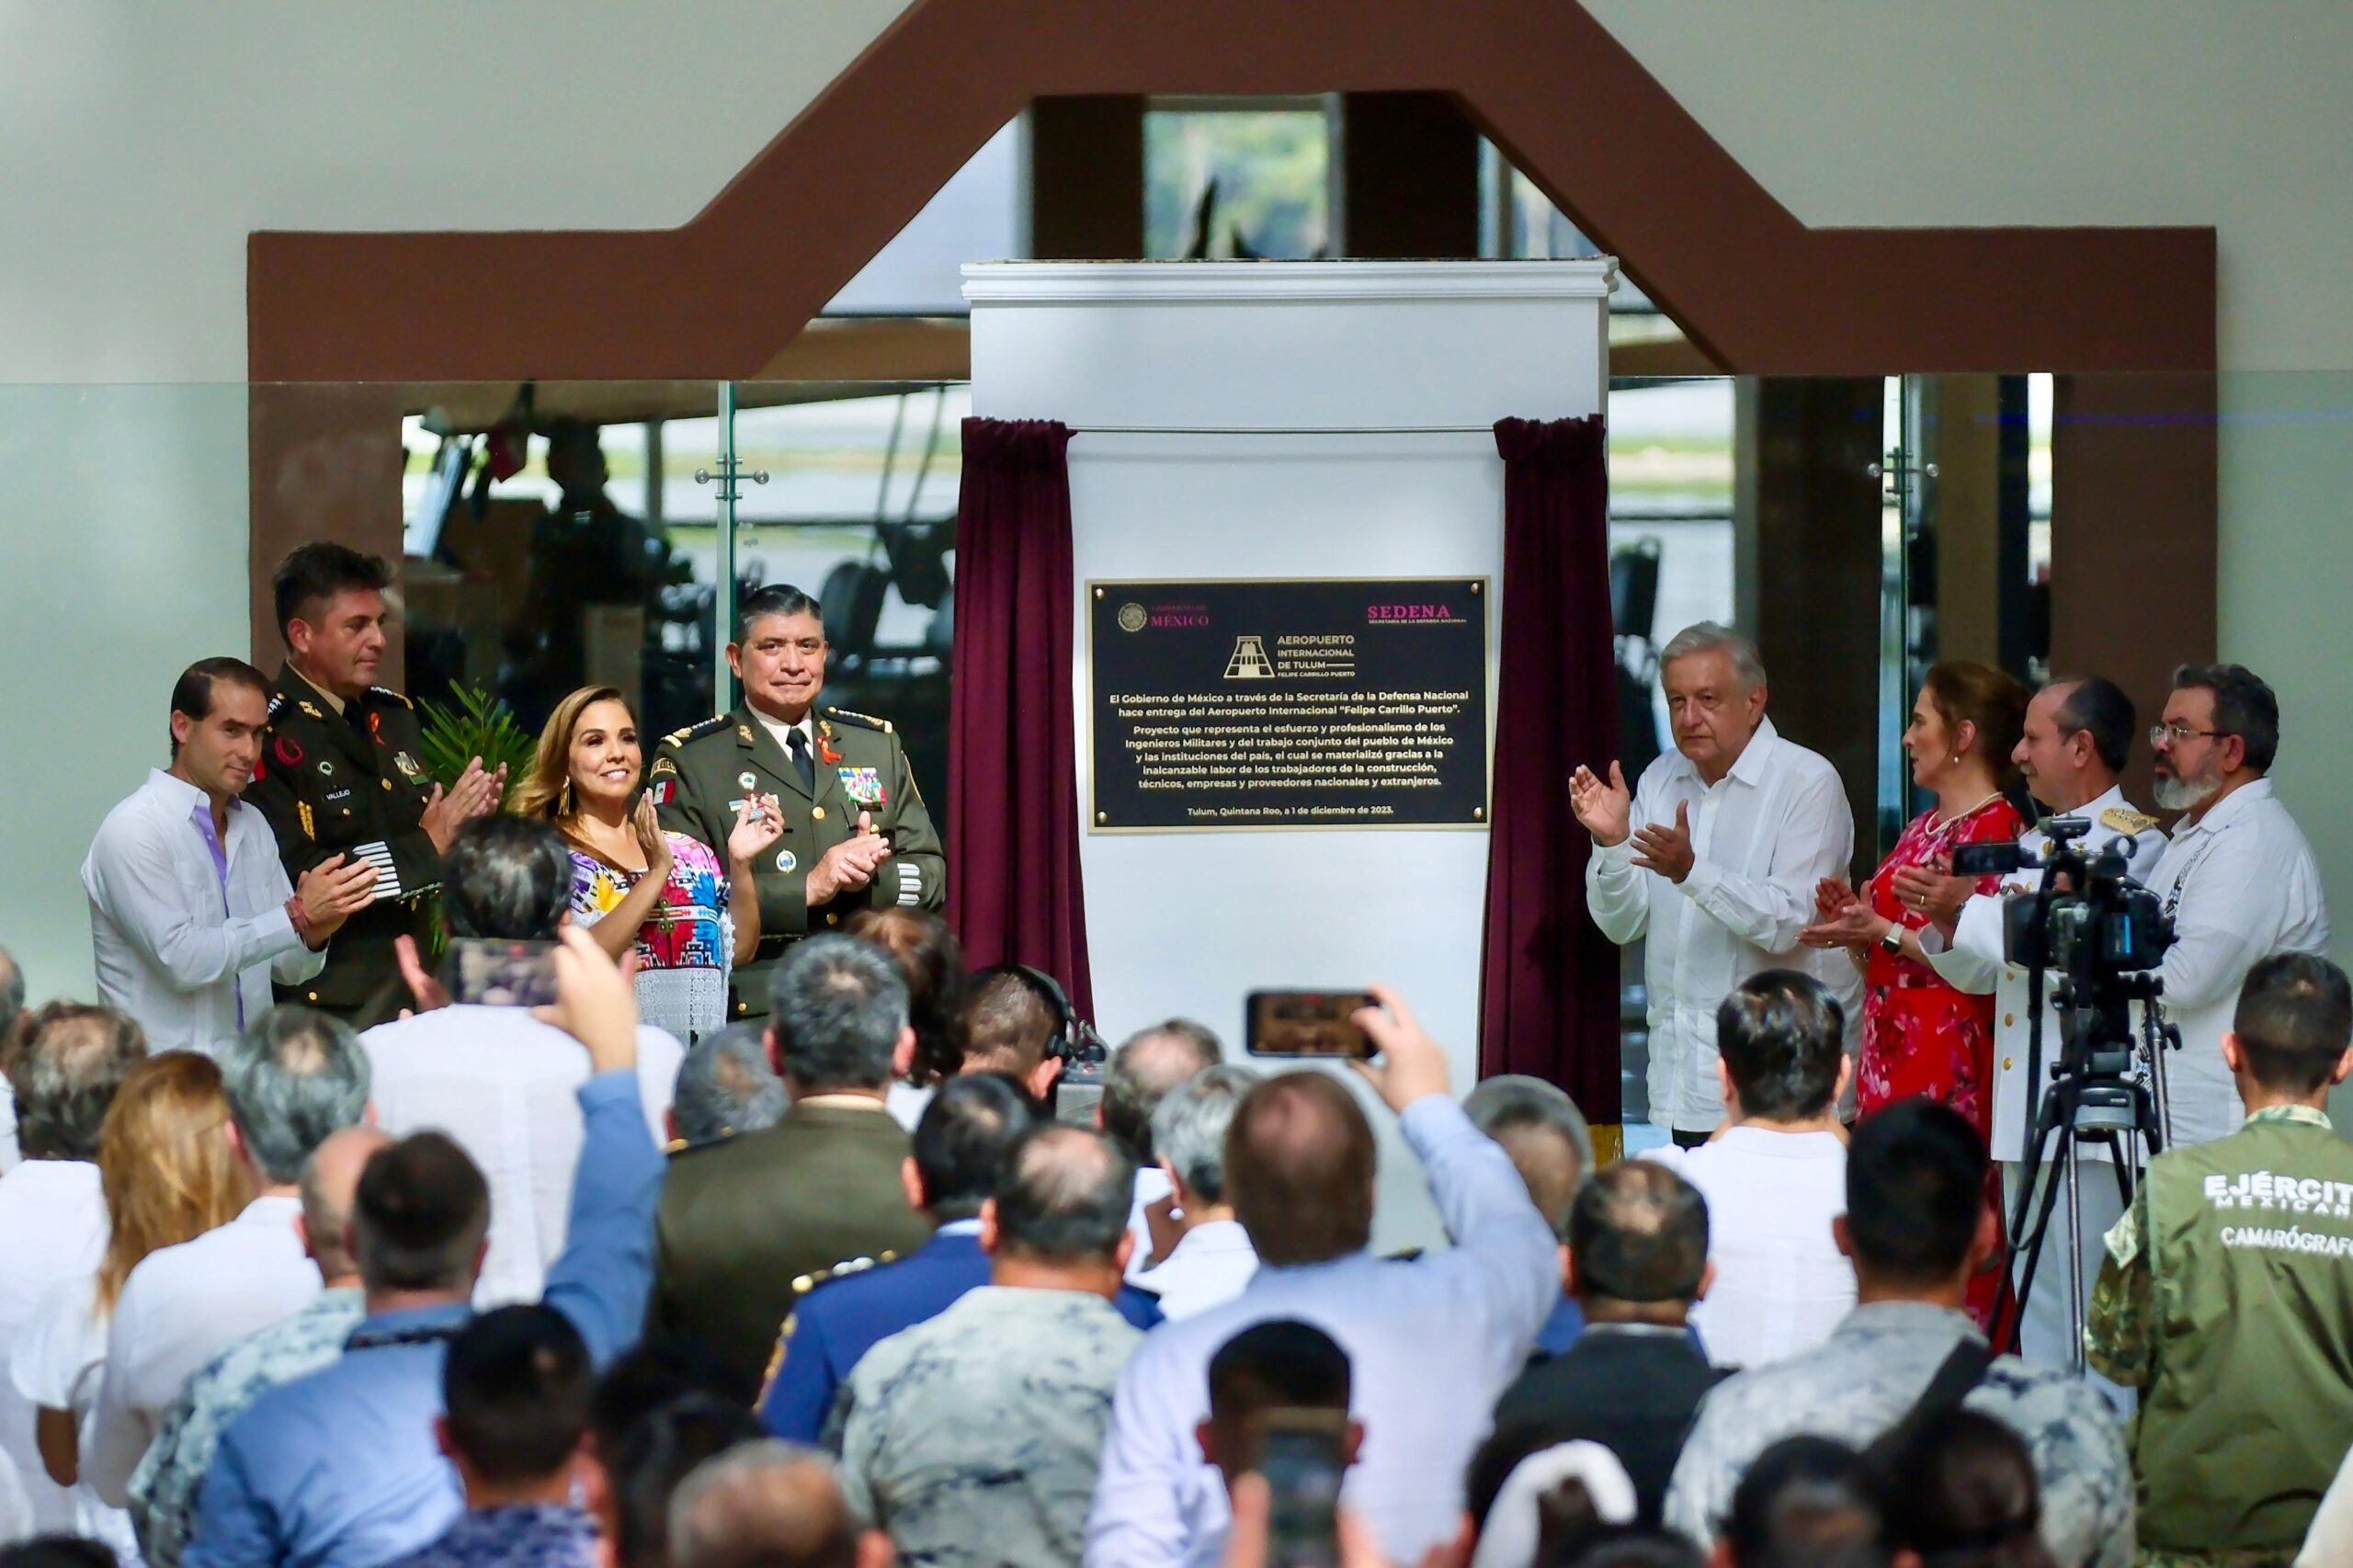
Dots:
pixel 1306 1023
pixel 500 974
pixel 1299 1454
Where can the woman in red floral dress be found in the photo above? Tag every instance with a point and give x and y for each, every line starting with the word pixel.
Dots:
pixel 1921 1036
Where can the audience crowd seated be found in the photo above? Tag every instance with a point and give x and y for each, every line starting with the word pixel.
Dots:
pixel 433 1296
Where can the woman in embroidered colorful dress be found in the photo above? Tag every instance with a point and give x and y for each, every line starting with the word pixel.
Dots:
pixel 1920 1035
pixel 634 885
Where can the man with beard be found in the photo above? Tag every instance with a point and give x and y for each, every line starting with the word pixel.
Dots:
pixel 2237 878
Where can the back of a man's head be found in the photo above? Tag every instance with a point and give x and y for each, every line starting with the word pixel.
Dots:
pixel 2293 1023
pixel 1961 1488
pixel 1009 1023
pixel 1637 1235
pixel 419 1217
pixel 1782 1037
pixel 1545 1134
pixel 727 1085
pixel 1141 1072
pixel 506 877
pixel 839 1005
pixel 1191 1124
pixel 650 1456
pixel 1916 1193
pixel 70 1060
pixel 1808 1503
pixel 763 1505
pixel 329 1186
pixel 963 1139
pixel 1064 1197
pixel 292 1077
pixel 514 1388
pixel 1279 1365
pixel 1300 1169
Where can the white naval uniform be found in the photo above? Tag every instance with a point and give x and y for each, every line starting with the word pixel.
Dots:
pixel 1973 963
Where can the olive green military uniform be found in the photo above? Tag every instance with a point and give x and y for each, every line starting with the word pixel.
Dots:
pixel 747 1223
pixel 2227 1298
pixel 702 773
pixel 351 783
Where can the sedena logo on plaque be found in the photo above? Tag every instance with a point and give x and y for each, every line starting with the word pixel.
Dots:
pixel 1286 704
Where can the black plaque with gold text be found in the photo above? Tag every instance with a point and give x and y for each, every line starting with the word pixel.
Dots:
pixel 1272 704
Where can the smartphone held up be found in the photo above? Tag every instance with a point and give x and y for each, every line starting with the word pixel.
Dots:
pixel 1307 1024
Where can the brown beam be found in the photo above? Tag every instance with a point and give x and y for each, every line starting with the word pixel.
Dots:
pixel 1409 177
pixel 1086 178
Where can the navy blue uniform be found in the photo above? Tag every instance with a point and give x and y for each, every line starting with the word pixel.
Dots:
pixel 849 1313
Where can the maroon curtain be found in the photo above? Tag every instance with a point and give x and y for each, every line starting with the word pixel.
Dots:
pixel 1549 994
pixel 1013 885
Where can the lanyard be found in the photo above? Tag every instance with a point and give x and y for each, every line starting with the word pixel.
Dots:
pixel 2172 894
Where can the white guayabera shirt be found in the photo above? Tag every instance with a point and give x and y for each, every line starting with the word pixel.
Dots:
pixel 1763 836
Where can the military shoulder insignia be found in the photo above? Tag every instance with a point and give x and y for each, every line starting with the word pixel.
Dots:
pixel 389 695
pixel 866 720
pixel 807 1282
pixel 2123 818
pixel 308 708
pixel 662 764
pixel 695 732
pixel 279 703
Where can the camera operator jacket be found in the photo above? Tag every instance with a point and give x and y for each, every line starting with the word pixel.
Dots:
pixel 2227 1298
pixel 1973 961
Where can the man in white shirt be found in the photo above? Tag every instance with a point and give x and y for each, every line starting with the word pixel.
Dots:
pixel 293 1078
pixel 1737 825
pixel 504 1085
pixel 1433 1341
pixel 1152 1062
pixel 1206 1256
pixel 2237 877
pixel 52 1214
pixel 190 912
pixel 1776 1177
pixel 2077 738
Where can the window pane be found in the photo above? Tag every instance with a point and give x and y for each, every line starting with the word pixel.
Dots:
pixel 1269 168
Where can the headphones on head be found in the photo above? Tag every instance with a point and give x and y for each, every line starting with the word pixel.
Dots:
pixel 1073 1039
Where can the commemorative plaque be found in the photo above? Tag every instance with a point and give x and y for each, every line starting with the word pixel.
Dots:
pixel 1275 704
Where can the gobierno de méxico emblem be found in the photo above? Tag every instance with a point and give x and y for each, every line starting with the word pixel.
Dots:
pixel 1132 617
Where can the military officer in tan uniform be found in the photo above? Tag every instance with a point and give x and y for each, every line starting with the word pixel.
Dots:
pixel 341 773
pixel 855 833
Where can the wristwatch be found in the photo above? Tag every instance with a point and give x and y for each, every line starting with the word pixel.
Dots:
pixel 1892 938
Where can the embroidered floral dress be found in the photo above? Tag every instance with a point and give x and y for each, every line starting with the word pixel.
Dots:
pixel 688 943
pixel 1920 1036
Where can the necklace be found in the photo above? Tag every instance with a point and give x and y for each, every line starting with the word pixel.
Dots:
pixel 1944 820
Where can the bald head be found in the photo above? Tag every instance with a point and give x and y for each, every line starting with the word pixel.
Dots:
pixel 1299 1169
pixel 764 1505
pixel 1142 1072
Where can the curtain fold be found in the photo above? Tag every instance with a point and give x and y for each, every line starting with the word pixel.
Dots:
pixel 1013 894
pixel 1549 985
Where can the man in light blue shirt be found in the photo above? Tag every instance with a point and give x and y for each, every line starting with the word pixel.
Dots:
pixel 339 1469
pixel 191 914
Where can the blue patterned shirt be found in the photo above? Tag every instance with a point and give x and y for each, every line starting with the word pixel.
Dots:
pixel 531 1535
pixel 163 1488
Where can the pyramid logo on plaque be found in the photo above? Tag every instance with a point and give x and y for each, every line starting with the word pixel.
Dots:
pixel 1249 661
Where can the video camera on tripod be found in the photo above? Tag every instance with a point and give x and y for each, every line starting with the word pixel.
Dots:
pixel 2103 936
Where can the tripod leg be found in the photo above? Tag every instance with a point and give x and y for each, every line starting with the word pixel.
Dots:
pixel 2034 1241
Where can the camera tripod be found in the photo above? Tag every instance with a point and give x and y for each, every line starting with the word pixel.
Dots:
pixel 2097 1099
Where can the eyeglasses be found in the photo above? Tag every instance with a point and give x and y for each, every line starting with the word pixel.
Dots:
pixel 2160 733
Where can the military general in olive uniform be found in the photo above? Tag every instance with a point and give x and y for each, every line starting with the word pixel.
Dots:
pixel 341 773
pixel 855 833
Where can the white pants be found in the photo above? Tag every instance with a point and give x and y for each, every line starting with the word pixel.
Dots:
pixel 2043 1329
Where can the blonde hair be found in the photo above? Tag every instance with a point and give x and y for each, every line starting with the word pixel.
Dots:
pixel 167 1164
pixel 544 794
